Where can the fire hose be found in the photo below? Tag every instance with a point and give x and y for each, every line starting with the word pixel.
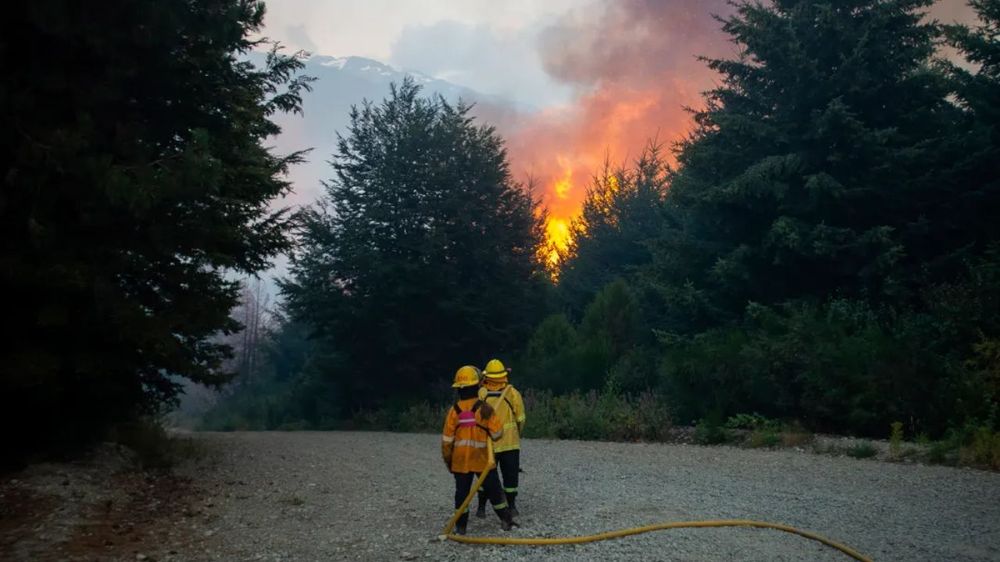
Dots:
pixel 446 533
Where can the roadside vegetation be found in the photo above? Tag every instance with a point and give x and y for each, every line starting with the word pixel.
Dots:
pixel 819 256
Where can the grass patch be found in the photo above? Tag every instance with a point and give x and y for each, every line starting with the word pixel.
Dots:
pixel 766 432
pixel 896 440
pixel 863 450
pixel 602 416
pixel 764 438
pixel 982 449
pixel 796 438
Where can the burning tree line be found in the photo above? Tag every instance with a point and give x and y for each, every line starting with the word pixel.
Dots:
pixel 825 248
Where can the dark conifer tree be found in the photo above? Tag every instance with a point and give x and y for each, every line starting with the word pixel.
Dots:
pixel 135 176
pixel 622 212
pixel 809 162
pixel 422 257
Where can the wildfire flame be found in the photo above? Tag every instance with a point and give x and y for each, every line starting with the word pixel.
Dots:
pixel 557 237
pixel 634 64
pixel 561 213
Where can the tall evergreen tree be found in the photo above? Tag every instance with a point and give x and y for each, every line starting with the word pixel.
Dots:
pixel 810 160
pixel 965 217
pixel 621 213
pixel 135 176
pixel 830 221
pixel 422 256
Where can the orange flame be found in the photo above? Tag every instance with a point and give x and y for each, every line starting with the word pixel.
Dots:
pixel 557 235
pixel 635 65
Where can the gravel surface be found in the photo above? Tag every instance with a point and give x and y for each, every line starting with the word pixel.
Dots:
pixel 384 496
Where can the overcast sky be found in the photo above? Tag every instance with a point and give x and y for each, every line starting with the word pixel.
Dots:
pixel 599 78
pixel 488 45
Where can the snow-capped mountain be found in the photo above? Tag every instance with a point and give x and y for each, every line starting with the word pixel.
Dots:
pixel 376 72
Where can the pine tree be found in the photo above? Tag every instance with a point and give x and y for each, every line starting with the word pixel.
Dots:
pixel 965 217
pixel 422 256
pixel 135 177
pixel 808 163
pixel 621 213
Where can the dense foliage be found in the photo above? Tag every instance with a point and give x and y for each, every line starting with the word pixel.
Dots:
pixel 825 249
pixel 827 245
pixel 422 252
pixel 135 176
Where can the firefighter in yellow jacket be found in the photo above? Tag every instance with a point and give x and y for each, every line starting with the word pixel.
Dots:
pixel 469 425
pixel 509 407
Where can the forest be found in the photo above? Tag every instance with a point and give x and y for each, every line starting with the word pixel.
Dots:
pixel 822 249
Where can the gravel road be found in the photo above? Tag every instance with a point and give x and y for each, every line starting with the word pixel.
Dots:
pixel 384 496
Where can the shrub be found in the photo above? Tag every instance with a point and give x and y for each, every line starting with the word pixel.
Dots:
pixel 607 415
pixel 943 452
pixel 710 431
pixel 896 440
pixel 764 438
pixel 753 422
pixel 795 437
pixel 863 450
pixel 983 449
pixel 420 418
pixel 844 366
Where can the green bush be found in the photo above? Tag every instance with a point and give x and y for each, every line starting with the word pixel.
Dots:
pixel 896 440
pixel 943 452
pixel 983 449
pixel 764 438
pixel 605 415
pixel 711 431
pixel 844 367
pixel 864 450
pixel 751 422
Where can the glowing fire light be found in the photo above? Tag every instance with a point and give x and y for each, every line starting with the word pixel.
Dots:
pixel 562 204
pixel 557 235
pixel 564 184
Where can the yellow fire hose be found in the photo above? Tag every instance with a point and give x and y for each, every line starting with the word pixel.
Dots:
pixel 446 533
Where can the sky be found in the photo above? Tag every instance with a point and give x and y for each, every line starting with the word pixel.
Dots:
pixel 591 79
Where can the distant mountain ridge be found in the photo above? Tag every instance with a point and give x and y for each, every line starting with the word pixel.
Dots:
pixel 340 83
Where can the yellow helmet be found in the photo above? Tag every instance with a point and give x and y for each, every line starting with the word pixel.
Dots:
pixel 495 370
pixel 466 376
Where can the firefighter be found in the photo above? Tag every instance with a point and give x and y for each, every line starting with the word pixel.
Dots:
pixel 469 425
pixel 509 407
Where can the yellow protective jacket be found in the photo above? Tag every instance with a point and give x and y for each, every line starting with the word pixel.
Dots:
pixel 467 427
pixel 510 410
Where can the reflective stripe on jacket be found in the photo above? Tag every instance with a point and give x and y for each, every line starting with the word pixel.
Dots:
pixel 463 439
pixel 510 410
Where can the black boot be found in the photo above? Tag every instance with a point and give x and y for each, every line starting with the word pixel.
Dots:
pixel 512 503
pixel 481 510
pixel 506 519
pixel 462 524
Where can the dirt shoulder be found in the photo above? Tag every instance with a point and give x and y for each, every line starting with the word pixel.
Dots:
pixel 101 507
